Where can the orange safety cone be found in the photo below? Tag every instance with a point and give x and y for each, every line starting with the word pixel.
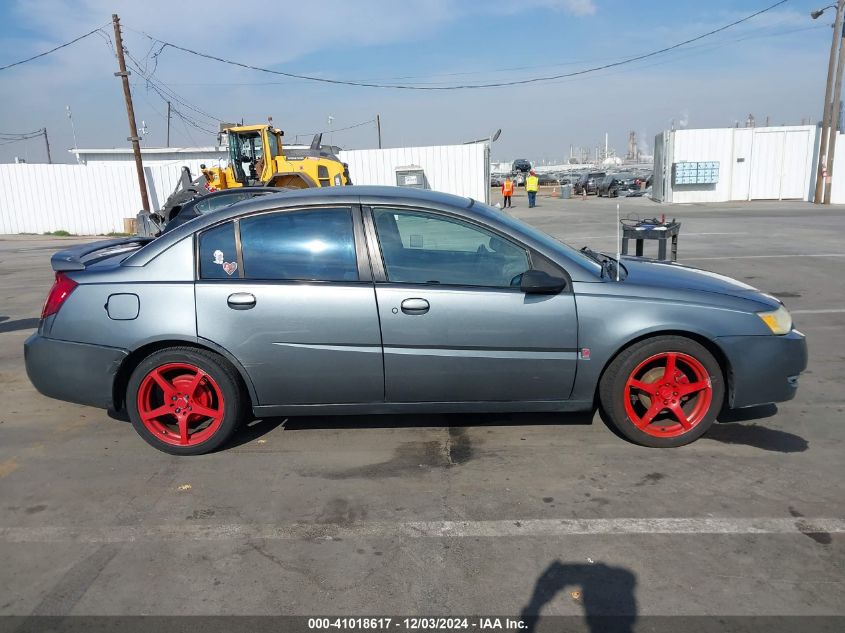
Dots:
pixel 555 193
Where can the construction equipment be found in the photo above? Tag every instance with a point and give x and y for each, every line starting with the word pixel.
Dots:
pixel 257 157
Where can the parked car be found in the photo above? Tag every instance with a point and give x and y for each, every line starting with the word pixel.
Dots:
pixel 372 300
pixel 521 165
pixel 546 179
pixel 588 182
pixel 613 185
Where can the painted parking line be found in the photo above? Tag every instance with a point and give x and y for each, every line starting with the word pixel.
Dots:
pixel 767 256
pixel 819 311
pixel 572 237
pixel 423 529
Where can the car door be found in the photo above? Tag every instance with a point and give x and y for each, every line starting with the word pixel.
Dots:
pixel 290 295
pixel 455 325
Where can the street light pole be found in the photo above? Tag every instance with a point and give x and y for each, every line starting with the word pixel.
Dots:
pixel 834 112
pixel 821 172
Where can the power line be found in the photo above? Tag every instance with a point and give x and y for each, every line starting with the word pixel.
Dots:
pixel 498 84
pixel 17 140
pixel 52 50
pixel 340 129
pixel 166 93
pixel 763 32
pixel 20 135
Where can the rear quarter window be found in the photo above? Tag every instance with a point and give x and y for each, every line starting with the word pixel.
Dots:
pixel 218 254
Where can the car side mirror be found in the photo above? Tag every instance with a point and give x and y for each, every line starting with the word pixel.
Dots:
pixel 541 282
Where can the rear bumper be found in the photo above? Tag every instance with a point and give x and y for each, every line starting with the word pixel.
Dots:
pixel 75 372
pixel 764 369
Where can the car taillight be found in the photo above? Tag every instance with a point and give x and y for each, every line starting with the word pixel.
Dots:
pixel 60 291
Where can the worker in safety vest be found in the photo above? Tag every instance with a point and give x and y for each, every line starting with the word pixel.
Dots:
pixel 507 192
pixel 532 184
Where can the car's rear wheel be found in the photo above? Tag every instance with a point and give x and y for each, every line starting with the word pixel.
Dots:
pixel 185 401
pixel 663 392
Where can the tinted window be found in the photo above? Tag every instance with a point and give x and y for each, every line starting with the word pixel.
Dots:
pixel 308 245
pixel 215 203
pixel 425 248
pixel 218 257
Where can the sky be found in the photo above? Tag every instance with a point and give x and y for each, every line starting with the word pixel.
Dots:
pixel 772 66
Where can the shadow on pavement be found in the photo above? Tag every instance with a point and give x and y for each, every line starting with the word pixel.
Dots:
pixel 17 324
pixel 759 412
pixel 391 421
pixel 757 436
pixel 258 428
pixel 606 594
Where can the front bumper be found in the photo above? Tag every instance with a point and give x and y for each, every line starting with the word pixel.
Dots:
pixel 75 372
pixel 764 369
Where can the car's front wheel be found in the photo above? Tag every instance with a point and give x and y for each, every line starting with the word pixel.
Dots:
pixel 663 392
pixel 185 401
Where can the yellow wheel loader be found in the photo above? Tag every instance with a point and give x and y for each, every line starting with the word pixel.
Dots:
pixel 257 157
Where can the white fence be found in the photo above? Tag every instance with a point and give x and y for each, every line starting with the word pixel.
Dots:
pixel 94 199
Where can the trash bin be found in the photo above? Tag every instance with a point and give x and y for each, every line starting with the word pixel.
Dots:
pixel 566 191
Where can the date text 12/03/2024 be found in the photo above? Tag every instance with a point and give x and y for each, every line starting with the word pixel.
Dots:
pixel 418 624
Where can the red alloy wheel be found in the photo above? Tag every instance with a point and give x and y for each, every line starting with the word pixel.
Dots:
pixel 180 404
pixel 668 394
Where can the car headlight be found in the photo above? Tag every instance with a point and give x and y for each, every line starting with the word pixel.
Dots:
pixel 779 321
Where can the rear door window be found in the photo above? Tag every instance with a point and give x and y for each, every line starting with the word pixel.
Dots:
pixel 316 245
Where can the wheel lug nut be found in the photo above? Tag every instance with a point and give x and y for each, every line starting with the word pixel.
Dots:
pixel 675 393
pixel 173 398
pixel 178 410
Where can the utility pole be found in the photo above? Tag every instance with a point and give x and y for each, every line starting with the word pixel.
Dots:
pixel 834 111
pixel 828 93
pixel 130 111
pixel 378 126
pixel 47 143
pixel 168 124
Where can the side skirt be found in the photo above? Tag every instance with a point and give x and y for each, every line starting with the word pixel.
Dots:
pixel 423 407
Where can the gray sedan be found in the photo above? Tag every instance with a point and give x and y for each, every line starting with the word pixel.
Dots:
pixel 391 300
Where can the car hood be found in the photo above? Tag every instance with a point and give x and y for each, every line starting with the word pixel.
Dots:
pixel 671 275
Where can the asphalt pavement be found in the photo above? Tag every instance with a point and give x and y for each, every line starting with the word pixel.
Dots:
pixel 447 514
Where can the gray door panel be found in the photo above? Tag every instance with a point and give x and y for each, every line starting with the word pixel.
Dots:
pixel 476 344
pixel 300 343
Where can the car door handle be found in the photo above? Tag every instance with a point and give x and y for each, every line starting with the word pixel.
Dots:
pixel 415 306
pixel 241 301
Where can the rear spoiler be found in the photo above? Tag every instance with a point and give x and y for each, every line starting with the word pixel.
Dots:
pixel 72 258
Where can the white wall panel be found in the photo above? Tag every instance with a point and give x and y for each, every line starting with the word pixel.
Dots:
pixel 455 169
pixel 740 167
pixel 769 163
pixel 93 199
pixel 795 174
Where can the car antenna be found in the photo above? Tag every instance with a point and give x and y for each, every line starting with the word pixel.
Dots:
pixel 618 242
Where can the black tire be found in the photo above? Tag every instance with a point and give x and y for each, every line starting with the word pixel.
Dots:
pixel 233 405
pixel 612 389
